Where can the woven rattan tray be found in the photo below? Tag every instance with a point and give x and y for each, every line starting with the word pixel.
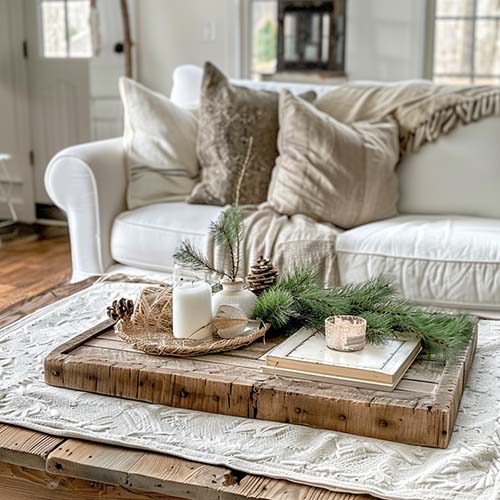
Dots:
pixel 165 344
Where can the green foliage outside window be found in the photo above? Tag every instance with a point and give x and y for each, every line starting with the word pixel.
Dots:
pixel 265 41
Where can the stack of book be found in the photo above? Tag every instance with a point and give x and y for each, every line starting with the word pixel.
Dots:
pixel 305 355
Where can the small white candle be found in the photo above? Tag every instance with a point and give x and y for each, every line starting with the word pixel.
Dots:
pixel 192 310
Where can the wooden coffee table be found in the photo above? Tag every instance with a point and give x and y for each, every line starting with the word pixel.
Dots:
pixel 35 465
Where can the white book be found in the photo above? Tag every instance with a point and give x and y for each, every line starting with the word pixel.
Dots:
pixel 305 355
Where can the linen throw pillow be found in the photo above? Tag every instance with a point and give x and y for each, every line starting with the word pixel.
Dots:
pixel 332 172
pixel 160 146
pixel 236 143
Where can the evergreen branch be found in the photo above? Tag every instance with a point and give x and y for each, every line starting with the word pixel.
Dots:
pixel 276 306
pixel 228 230
pixel 188 255
pixel 387 315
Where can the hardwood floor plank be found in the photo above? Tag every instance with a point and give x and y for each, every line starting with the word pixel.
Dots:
pixel 29 267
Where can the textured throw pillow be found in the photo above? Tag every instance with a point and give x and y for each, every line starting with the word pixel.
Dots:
pixel 332 172
pixel 160 146
pixel 236 144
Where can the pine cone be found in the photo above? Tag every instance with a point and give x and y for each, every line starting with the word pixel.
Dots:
pixel 262 276
pixel 121 309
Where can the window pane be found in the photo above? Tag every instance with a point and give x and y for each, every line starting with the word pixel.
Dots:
pixel 452 80
pixel 487 51
pixel 53 28
pixel 264 36
pixel 325 42
pixel 311 48
pixel 454 8
pixel 488 7
pixel 478 80
pixel 340 39
pixel 291 41
pixel 453 46
pixel 80 44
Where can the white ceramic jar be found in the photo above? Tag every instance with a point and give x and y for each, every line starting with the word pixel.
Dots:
pixel 234 293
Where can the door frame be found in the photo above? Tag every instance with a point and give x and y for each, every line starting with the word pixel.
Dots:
pixel 22 169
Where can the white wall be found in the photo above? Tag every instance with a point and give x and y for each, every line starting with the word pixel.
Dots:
pixel 385 39
pixel 174 32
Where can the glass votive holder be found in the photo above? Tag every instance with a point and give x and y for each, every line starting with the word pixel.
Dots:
pixel 345 333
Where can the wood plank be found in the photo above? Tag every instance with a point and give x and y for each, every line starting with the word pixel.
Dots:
pixel 30 267
pixel 23 483
pixel 169 475
pixel 24 447
pixel 261 488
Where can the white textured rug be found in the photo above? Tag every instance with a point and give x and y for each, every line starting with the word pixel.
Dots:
pixel 469 469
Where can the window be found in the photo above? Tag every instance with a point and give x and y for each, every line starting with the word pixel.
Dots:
pixel 467 42
pixel 264 36
pixel 296 35
pixel 311 35
pixel 65 28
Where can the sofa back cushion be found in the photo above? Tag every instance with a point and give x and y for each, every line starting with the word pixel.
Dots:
pixel 458 174
pixel 160 146
pixel 186 89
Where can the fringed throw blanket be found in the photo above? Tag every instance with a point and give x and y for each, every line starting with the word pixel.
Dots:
pixel 422 109
pixel 290 242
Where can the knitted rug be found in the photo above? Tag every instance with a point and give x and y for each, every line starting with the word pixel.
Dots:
pixel 468 470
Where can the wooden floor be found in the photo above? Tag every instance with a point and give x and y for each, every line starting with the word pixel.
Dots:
pixel 28 266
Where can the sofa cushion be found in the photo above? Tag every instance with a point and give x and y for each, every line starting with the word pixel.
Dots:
pixel 160 146
pixel 236 142
pixel 147 237
pixel 334 172
pixel 457 174
pixel 452 262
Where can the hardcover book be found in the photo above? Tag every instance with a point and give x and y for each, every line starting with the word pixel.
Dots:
pixel 305 355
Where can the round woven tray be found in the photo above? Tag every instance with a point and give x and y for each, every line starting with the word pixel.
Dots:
pixel 165 344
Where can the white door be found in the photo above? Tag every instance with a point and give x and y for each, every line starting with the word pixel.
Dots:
pixel 14 119
pixel 58 52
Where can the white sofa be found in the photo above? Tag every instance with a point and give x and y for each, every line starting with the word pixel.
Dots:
pixel 443 250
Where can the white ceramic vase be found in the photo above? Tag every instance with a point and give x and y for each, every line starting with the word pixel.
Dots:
pixel 233 293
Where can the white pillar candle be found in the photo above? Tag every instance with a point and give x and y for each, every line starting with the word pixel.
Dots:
pixel 192 310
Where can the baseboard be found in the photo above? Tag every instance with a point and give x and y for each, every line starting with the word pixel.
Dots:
pixel 49 212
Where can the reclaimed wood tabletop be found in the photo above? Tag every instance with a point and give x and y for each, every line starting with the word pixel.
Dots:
pixel 35 465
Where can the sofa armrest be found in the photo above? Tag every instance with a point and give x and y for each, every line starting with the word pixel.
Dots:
pixel 89 183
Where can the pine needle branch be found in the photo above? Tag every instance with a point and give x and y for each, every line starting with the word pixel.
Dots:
pixel 188 255
pixel 299 300
pixel 228 230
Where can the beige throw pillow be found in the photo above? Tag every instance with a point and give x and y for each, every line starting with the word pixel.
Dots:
pixel 160 146
pixel 236 144
pixel 332 172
